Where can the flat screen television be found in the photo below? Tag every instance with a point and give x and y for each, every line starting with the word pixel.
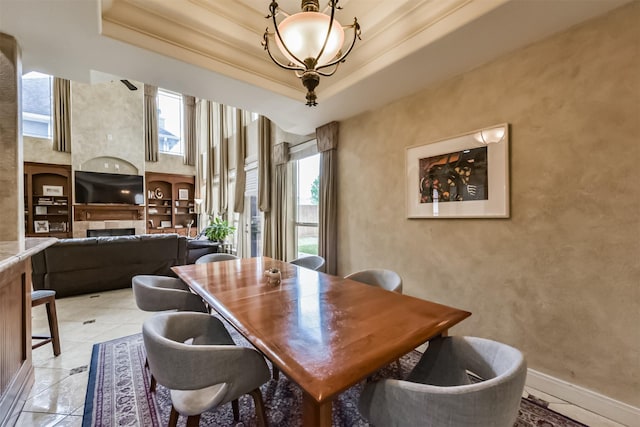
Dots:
pixel 95 187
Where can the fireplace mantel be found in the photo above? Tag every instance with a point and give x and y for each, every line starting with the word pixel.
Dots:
pixel 108 213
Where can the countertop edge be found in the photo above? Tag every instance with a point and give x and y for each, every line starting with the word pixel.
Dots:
pixel 15 251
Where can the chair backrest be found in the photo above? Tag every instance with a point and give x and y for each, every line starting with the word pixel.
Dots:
pixel 161 293
pixel 215 258
pixel 439 392
pixel 191 351
pixel 312 262
pixel 386 279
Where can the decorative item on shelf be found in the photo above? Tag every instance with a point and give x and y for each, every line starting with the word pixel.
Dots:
pixel 218 230
pixel 274 276
pixel 153 211
pixel 41 210
pixel 165 224
pixel 52 190
pixel 158 193
pixel 183 194
pixel 44 201
pixel 310 41
pixel 41 226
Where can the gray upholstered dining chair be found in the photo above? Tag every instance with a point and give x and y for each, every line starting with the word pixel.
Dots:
pixel 215 258
pixel 386 279
pixel 193 355
pixel 440 393
pixel 312 262
pixel 161 293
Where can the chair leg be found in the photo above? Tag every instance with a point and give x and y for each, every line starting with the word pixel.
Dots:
pixel 52 317
pixel 173 417
pixel 236 409
pixel 152 385
pixel 193 420
pixel 260 412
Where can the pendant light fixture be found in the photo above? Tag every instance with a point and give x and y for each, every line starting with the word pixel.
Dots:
pixel 310 41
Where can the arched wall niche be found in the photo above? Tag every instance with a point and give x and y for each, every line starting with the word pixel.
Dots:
pixel 108 164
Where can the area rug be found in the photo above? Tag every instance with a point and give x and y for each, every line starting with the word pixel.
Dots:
pixel 118 395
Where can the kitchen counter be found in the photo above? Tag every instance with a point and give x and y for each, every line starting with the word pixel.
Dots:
pixel 16 367
pixel 13 252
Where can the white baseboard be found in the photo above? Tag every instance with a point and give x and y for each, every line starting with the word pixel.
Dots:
pixel 615 410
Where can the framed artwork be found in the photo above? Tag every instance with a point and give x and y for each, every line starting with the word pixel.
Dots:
pixel 466 176
pixel 52 190
pixel 165 224
pixel 41 226
pixel 183 194
pixel 41 210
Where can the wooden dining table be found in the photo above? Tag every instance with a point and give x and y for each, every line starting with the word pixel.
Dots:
pixel 324 332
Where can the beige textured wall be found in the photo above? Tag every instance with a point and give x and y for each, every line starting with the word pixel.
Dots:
pixel 11 179
pixel 41 150
pixel 560 279
pixel 106 120
pixel 168 163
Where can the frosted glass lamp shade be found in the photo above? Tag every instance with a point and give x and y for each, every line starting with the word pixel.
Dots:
pixel 304 34
pixel 490 136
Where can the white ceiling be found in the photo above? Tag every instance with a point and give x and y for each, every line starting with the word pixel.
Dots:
pixel 211 48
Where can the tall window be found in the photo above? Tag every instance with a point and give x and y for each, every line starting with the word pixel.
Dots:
pixel 307 182
pixel 36 105
pixel 170 117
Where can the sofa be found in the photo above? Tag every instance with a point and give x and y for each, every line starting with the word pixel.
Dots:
pixel 96 264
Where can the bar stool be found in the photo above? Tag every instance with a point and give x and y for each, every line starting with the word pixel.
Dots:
pixel 47 297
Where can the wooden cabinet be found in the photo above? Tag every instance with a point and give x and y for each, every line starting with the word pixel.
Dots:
pixel 170 204
pixel 47 203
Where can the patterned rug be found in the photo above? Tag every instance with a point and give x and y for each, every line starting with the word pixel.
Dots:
pixel 118 395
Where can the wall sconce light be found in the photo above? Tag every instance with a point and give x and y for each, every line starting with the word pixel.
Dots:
pixel 310 41
pixel 490 136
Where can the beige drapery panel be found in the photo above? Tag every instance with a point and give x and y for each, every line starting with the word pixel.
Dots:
pixel 189 129
pixel 327 137
pixel 264 164
pixel 264 181
pixel 209 144
pixel 200 178
pixel 221 141
pixel 241 141
pixel 61 115
pixel 280 156
pixel 150 123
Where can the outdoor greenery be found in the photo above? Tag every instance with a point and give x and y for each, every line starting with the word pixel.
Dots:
pixel 308 245
pixel 218 230
pixel 315 191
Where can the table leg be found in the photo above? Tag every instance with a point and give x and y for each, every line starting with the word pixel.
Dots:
pixel 315 414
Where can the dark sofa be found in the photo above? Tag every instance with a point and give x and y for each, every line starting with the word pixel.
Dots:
pixel 95 264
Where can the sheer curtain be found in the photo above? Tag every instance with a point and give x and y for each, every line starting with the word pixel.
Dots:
pixel 150 123
pixel 61 115
pixel 327 137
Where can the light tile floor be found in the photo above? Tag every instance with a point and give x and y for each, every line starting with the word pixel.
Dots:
pixel 57 397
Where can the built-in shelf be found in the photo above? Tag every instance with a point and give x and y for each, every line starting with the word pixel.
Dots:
pixel 46 200
pixel 170 204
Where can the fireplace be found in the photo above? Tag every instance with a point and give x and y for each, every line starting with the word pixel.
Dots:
pixel 111 232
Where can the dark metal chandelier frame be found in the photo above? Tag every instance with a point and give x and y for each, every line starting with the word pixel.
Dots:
pixel 307 69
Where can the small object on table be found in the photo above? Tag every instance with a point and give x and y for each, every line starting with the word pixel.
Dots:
pixel 273 276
